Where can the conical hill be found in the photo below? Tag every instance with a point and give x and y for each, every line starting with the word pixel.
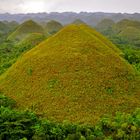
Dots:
pixel 25 29
pixel 75 75
pixel 53 27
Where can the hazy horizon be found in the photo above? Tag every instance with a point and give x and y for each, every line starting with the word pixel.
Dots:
pixel 40 6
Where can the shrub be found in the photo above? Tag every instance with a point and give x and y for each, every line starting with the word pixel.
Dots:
pixel 6 102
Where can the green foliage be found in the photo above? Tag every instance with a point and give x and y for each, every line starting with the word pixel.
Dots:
pixel 109 90
pixel 25 125
pixel 123 126
pixel 132 56
pixel 6 102
pixel 30 71
pixel 16 125
pixel 52 83
pixel 11 51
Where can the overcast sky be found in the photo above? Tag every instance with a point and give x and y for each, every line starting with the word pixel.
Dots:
pixel 34 6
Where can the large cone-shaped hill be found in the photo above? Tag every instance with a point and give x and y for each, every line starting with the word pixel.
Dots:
pixel 25 29
pixel 75 75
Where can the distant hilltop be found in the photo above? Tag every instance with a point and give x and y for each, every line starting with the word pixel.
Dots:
pixel 68 17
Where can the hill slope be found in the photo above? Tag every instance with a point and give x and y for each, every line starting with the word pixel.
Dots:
pixel 25 29
pixel 76 74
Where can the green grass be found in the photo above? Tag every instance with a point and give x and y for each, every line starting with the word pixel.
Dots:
pixel 77 75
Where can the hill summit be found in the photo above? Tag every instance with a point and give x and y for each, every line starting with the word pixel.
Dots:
pixel 78 21
pixel 25 29
pixel 75 75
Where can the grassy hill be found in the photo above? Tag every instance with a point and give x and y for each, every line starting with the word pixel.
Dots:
pixel 75 75
pixel 131 33
pixel 125 23
pixel 105 24
pixel 53 26
pixel 3 28
pixel 125 32
pixel 25 29
pixel 106 27
pixel 12 25
pixel 130 30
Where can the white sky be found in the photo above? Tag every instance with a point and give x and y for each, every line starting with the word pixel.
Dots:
pixel 34 6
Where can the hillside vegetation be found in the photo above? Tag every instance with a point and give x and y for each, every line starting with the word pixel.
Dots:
pixel 25 125
pixel 75 75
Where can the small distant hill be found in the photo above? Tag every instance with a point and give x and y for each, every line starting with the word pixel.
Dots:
pixel 53 26
pixel 127 23
pixel 4 31
pixel 3 28
pixel 25 29
pixel 130 30
pixel 105 24
pixel 125 29
pixel 75 75
pixel 91 18
pixel 78 21
pixel 12 25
